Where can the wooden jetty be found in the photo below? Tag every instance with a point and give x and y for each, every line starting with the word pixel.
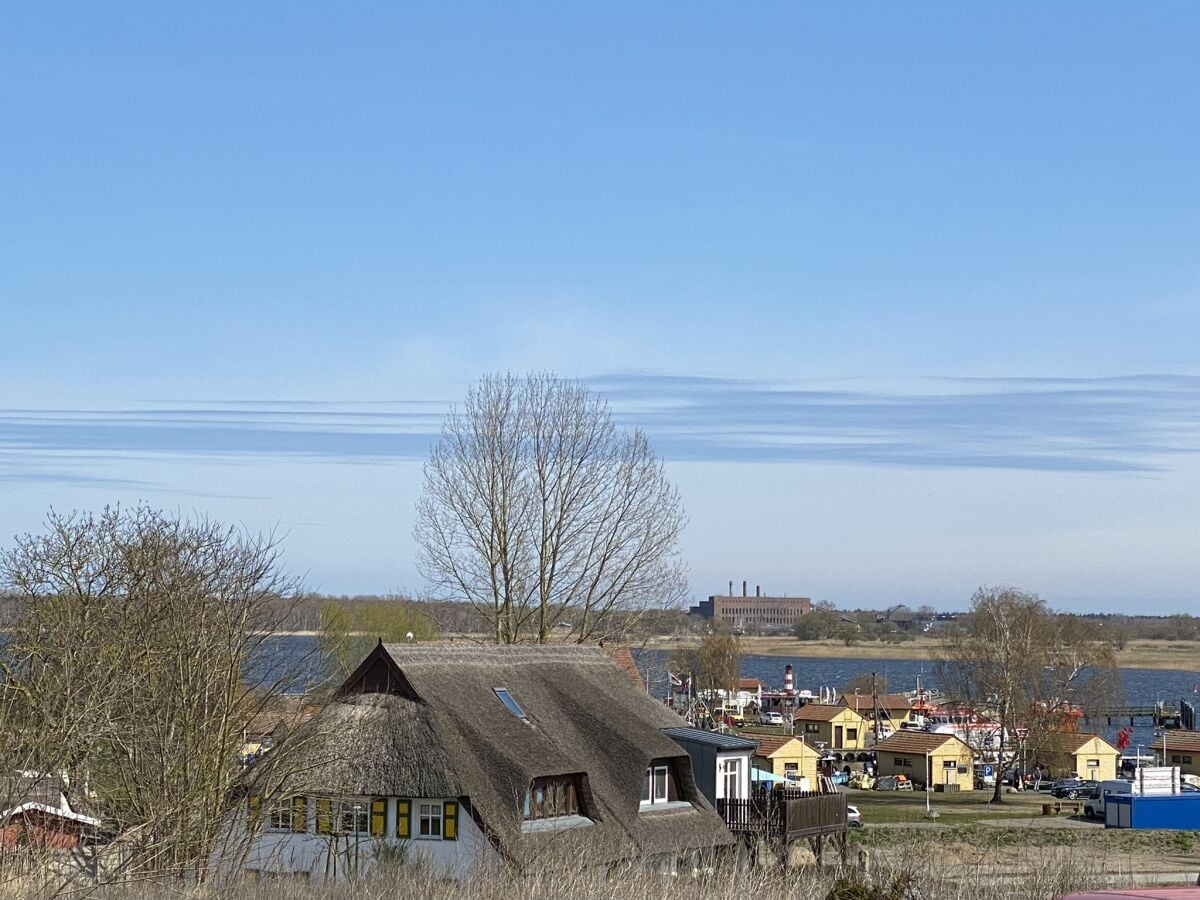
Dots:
pixel 1160 714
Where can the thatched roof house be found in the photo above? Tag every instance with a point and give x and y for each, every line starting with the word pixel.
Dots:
pixel 524 747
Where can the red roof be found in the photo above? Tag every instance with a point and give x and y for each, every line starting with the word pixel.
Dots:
pixel 916 742
pixel 818 712
pixel 859 702
pixel 623 657
pixel 1182 740
pixel 771 743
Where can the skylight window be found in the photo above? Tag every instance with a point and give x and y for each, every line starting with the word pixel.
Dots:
pixel 509 703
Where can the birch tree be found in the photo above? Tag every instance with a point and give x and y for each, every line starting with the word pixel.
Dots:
pixel 539 511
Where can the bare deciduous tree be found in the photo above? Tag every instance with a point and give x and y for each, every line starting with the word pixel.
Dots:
pixel 539 511
pixel 1027 668
pixel 144 646
pixel 716 665
pixel 349 630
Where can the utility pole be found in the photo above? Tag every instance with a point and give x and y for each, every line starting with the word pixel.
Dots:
pixel 875 706
pixel 928 778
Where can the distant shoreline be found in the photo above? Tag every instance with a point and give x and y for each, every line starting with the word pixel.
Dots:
pixel 1182 656
pixel 1179 656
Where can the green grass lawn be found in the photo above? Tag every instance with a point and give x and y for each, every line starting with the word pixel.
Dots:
pixel 957 808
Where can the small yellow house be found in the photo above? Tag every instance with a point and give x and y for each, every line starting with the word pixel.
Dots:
pixel 837 727
pixel 940 759
pixel 1183 750
pixel 787 757
pixel 894 709
pixel 1087 756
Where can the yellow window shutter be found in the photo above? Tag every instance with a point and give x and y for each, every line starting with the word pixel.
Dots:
pixel 300 814
pixel 324 815
pixel 450 821
pixel 254 805
pixel 403 818
pixel 378 816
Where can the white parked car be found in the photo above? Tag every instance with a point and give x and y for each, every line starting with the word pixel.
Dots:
pixel 1094 806
pixel 853 817
pixel 771 718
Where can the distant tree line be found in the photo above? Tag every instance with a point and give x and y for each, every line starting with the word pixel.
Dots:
pixel 827 623
pixel 304 613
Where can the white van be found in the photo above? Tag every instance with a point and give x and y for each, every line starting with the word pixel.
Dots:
pixel 1093 807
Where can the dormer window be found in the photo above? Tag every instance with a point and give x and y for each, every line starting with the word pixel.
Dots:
pixel 554 797
pixel 659 786
pixel 509 703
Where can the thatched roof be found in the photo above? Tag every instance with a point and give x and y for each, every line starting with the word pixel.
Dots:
pixel 423 720
pixel 279 716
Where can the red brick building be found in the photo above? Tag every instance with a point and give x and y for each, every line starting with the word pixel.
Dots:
pixel 757 613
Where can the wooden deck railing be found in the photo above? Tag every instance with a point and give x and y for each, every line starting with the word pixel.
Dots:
pixel 785 814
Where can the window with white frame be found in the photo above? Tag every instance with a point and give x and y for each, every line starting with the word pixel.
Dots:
pixel 281 814
pixel 1093 763
pixel 289 814
pixel 731 778
pixel 657 787
pixel 355 817
pixel 429 820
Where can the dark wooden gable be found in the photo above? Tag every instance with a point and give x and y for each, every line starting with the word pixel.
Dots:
pixel 378 674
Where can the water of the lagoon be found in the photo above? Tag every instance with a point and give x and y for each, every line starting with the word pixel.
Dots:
pixel 297 658
pixel 1143 687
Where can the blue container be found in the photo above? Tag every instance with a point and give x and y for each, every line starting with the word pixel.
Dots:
pixel 1177 812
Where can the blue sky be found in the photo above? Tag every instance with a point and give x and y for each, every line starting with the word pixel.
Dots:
pixel 908 298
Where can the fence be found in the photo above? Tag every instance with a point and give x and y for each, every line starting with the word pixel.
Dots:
pixel 785 814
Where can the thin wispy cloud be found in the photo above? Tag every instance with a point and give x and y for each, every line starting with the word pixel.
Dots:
pixel 1129 424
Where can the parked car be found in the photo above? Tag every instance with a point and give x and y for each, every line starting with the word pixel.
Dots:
pixel 853 817
pixel 771 718
pixel 1071 788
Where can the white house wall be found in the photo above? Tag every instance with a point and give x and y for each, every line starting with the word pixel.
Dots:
pixel 285 852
